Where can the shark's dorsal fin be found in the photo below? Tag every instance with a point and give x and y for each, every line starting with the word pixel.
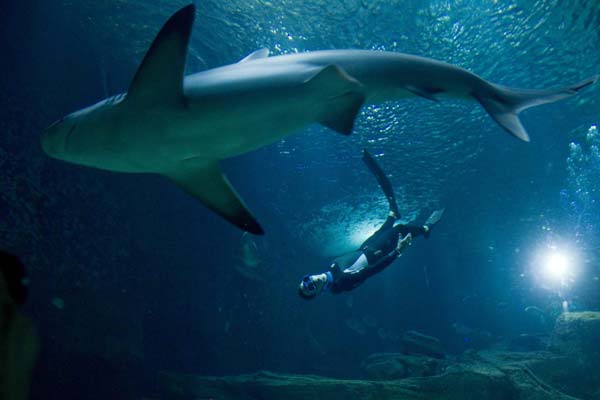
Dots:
pixel 159 77
pixel 344 97
pixel 256 55
pixel 207 183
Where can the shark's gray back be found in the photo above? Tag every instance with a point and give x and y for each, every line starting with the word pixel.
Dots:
pixel 373 69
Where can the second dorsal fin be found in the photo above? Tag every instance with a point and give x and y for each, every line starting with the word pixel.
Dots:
pixel 256 55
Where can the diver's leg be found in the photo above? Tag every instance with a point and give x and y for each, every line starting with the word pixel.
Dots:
pixel 380 243
pixel 388 224
pixel 380 234
pixel 422 230
pixel 414 230
pixel 358 265
pixel 383 181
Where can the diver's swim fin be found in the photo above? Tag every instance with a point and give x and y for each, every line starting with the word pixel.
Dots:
pixel 435 217
pixel 383 181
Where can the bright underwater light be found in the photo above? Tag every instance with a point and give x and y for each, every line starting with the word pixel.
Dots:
pixel 557 265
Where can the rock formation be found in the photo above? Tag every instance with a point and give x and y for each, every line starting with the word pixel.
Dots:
pixel 568 371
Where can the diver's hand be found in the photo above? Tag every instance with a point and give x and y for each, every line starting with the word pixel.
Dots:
pixel 403 243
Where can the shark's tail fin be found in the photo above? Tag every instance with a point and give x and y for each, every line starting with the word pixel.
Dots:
pixel 504 104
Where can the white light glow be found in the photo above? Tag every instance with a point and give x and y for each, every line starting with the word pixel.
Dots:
pixel 557 265
pixel 361 231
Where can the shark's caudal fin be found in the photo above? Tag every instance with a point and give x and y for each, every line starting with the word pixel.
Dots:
pixel 159 77
pixel 208 184
pixel 505 103
pixel 344 94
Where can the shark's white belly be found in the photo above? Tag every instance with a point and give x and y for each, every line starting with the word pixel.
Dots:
pixel 209 129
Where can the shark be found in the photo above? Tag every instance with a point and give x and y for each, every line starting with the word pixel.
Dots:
pixel 181 126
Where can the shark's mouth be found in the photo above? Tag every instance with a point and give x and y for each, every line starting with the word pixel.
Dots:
pixel 55 123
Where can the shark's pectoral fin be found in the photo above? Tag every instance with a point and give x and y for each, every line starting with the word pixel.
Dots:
pixel 256 55
pixel 344 97
pixel 341 112
pixel 208 184
pixel 159 77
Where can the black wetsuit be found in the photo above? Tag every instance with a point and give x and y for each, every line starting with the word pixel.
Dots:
pixel 380 251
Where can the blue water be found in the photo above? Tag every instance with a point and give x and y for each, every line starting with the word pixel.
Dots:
pixel 129 276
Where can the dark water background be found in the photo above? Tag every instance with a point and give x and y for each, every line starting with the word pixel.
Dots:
pixel 129 276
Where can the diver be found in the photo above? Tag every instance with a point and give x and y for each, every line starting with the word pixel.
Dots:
pixel 377 252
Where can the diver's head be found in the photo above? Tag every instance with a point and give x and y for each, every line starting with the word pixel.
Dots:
pixel 307 288
pixel 312 285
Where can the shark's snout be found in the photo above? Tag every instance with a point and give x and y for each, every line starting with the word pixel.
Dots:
pixel 46 142
pixel 53 139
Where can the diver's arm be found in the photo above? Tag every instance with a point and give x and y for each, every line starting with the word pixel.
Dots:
pixel 382 263
pixel 386 260
pixel 403 243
